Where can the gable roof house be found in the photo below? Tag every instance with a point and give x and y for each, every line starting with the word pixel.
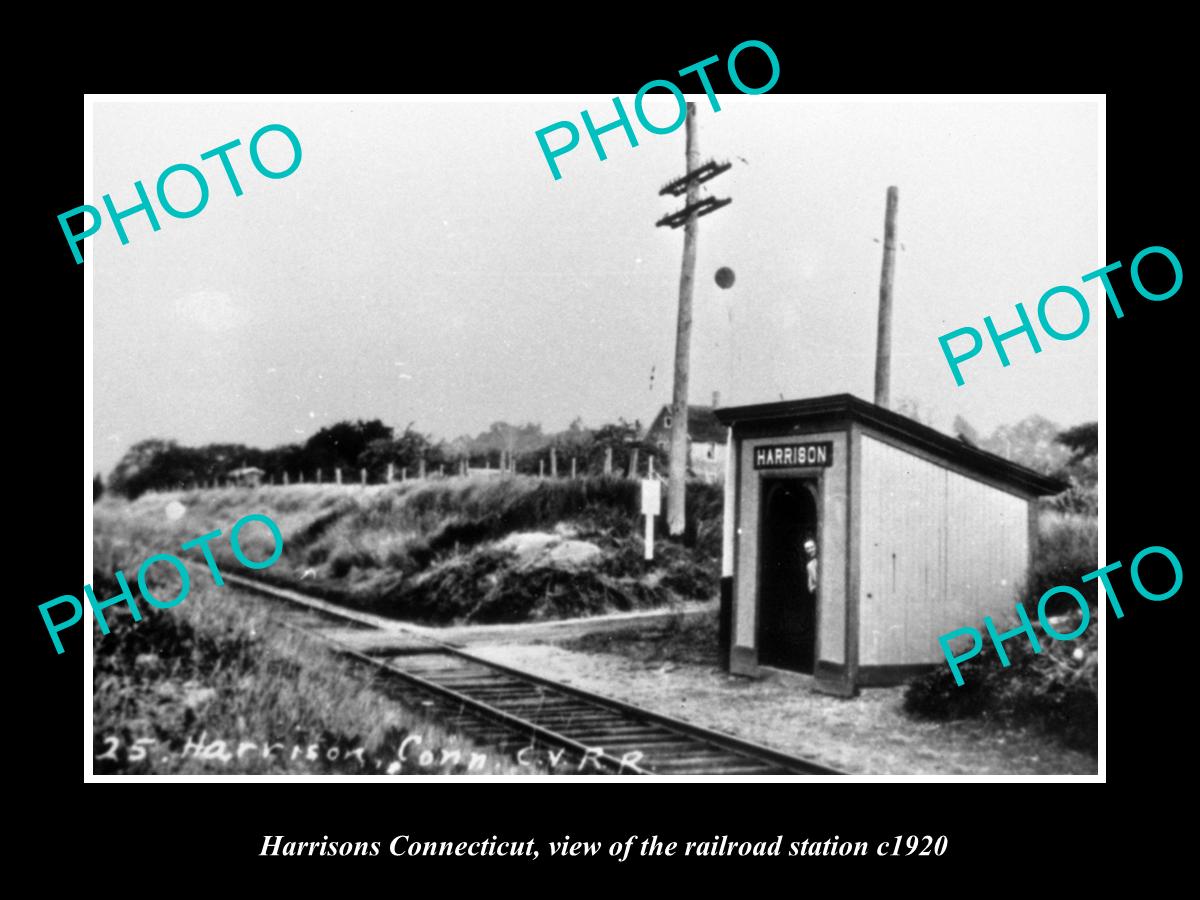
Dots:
pixel 706 439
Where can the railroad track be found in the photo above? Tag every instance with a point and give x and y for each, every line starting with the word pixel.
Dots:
pixel 512 710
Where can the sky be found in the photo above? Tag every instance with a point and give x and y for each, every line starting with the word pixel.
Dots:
pixel 423 265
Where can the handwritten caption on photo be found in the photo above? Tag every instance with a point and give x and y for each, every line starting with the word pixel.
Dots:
pixel 126 596
pixel 1027 629
pixel 1085 316
pixel 145 206
pixel 342 755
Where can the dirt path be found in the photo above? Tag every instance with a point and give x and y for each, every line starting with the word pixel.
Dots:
pixel 565 629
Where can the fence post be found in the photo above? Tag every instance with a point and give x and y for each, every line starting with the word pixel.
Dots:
pixel 421 469
pixel 553 462
pixel 541 468
pixel 572 467
pixel 633 463
pixel 391 472
pixel 608 460
pixel 364 477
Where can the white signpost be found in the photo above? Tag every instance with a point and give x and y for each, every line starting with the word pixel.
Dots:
pixel 651 507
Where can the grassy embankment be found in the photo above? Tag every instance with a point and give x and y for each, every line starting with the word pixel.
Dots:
pixel 215 666
pixel 213 686
pixel 442 552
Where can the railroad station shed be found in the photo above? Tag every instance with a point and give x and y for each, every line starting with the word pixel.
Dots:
pixel 859 536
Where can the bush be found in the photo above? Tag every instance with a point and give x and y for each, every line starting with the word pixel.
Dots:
pixel 1067 550
pixel 1055 690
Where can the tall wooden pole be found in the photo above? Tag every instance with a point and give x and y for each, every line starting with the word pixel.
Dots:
pixel 677 483
pixel 883 343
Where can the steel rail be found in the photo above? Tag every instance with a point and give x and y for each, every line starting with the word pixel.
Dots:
pixel 620 720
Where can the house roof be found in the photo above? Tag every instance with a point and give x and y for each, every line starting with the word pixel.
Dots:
pixel 849 407
pixel 247 470
pixel 703 425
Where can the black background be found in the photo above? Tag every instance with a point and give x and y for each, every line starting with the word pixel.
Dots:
pixel 1005 832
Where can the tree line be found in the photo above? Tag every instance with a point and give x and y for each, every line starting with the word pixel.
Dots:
pixel 157 464
pixel 352 446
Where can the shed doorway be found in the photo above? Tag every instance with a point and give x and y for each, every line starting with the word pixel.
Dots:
pixel 787 607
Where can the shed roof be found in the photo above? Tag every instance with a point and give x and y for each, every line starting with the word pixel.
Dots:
pixel 849 407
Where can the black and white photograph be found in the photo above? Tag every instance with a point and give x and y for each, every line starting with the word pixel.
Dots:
pixel 708 436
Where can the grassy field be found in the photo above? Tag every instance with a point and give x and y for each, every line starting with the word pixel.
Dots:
pixel 213 686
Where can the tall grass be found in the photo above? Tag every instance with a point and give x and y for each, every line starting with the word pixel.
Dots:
pixel 216 669
pixel 216 673
pixel 426 551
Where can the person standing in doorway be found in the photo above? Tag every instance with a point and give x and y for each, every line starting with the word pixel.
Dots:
pixel 810 553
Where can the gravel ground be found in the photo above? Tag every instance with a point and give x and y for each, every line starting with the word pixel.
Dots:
pixel 869 734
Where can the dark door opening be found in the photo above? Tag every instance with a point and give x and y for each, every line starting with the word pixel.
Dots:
pixel 787 607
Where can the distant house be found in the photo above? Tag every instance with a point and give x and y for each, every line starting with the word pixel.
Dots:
pixel 247 476
pixel 706 439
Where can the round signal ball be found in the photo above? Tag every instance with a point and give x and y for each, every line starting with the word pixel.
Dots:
pixel 725 277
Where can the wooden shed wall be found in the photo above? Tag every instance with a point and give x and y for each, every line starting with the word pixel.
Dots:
pixel 939 551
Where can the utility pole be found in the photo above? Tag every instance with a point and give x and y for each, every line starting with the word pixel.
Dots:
pixel 694 208
pixel 883 342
